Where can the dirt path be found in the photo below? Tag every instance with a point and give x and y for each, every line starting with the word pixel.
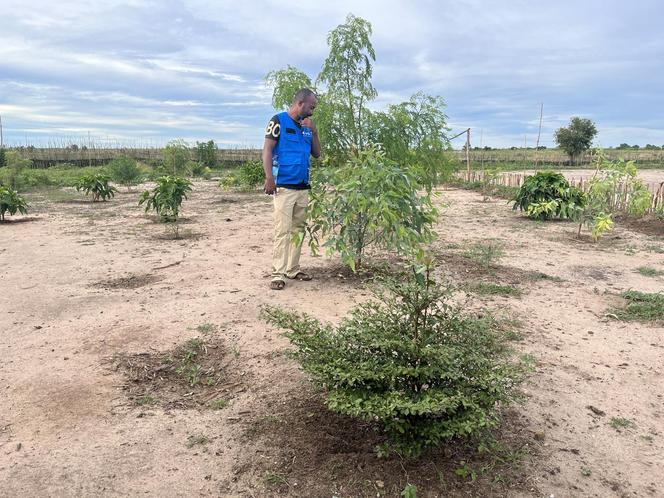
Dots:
pixel 85 283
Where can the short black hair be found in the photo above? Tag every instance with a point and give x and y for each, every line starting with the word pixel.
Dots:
pixel 303 94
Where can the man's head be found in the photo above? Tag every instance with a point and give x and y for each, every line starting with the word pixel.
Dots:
pixel 304 103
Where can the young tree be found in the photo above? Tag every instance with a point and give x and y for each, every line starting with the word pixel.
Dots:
pixel 166 198
pixel 176 156
pixel 207 153
pixel 577 137
pixel 285 83
pixel 413 133
pixel 613 189
pixel 346 74
pixel 11 202
pixel 368 201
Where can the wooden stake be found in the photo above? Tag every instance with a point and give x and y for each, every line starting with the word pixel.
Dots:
pixel 468 152
pixel 539 132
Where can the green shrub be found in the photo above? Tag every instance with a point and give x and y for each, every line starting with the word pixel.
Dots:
pixel 248 176
pixel 547 195
pixel 97 184
pixel 368 201
pixel 3 158
pixel 11 202
pixel 199 169
pixel 410 362
pixel 16 167
pixel 125 171
pixel 166 198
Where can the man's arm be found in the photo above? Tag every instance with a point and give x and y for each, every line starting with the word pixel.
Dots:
pixel 268 146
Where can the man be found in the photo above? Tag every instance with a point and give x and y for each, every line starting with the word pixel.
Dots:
pixel 290 138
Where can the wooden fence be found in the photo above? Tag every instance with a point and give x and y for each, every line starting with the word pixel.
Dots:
pixel 96 156
pixel 621 196
pixel 479 158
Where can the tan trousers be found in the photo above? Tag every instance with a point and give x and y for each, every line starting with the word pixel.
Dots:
pixel 290 211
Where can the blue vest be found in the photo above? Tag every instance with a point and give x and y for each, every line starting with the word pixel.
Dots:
pixel 290 157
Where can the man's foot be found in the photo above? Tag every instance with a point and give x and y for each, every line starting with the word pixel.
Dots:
pixel 277 284
pixel 301 276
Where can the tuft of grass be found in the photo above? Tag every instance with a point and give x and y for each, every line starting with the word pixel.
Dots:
pixel 649 271
pixel 218 404
pixel 194 440
pixel 641 306
pixel 485 253
pixel 206 328
pixel 145 400
pixel 538 275
pixel 620 423
pixel 274 479
pixel 190 368
pixel 655 249
pixel 491 289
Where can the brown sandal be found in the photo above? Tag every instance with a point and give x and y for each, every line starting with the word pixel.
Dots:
pixel 305 277
pixel 277 284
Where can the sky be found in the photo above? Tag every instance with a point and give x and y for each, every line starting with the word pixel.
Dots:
pixel 141 73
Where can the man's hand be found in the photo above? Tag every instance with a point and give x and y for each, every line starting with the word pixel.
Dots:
pixel 270 187
pixel 309 124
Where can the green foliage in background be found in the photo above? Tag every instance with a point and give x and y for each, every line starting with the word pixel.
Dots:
pixel 125 171
pixel 370 201
pixel 248 176
pixel 206 154
pixel 176 157
pixel 15 167
pixel 410 362
pixel 11 202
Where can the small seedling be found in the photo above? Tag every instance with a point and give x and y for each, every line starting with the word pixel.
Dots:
pixel 586 472
pixel 410 491
pixel 465 471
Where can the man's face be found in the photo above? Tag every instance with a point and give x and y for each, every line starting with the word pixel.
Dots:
pixel 307 107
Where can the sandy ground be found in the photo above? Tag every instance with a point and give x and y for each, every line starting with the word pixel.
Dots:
pixel 67 427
